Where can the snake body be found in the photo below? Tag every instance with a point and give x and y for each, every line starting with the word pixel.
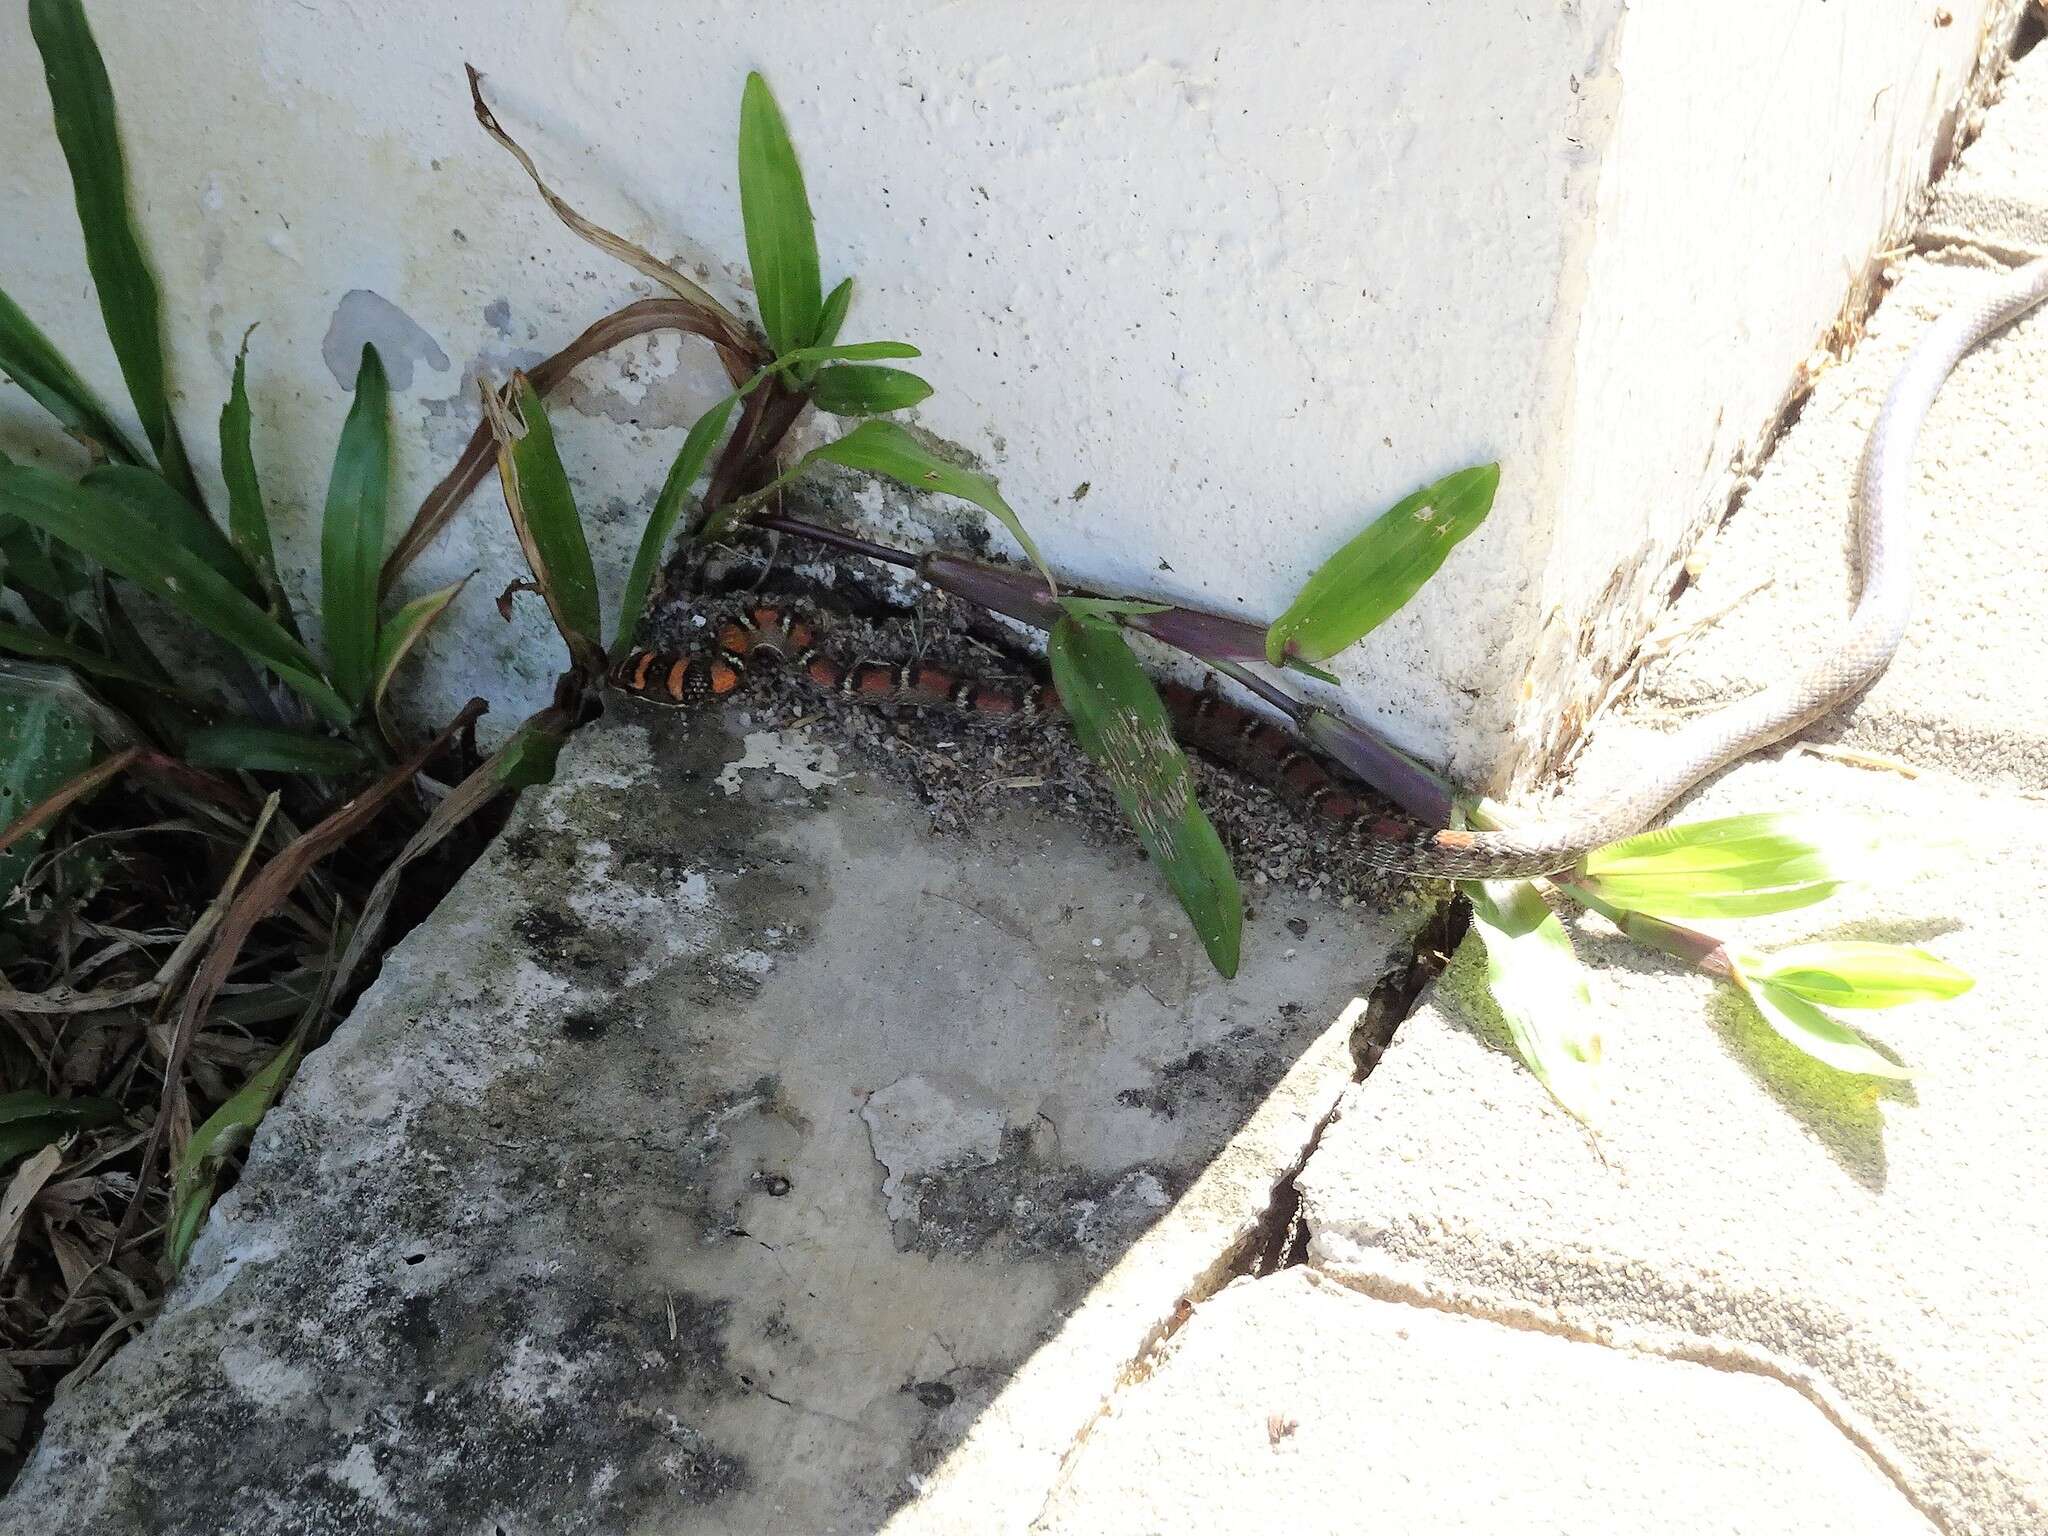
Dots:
pixel 1856 655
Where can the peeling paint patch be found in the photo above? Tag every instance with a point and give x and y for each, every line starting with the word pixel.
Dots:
pixel 812 764
pixel 363 316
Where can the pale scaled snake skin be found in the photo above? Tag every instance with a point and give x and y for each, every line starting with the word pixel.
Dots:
pixel 1862 649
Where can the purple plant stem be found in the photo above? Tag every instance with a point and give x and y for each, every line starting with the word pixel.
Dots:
pixel 1215 639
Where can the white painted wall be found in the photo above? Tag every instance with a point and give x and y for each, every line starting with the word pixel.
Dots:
pixel 1250 272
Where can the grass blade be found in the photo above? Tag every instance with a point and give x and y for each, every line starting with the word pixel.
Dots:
pixel 352 532
pixel 401 632
pixel 1122 726
pixel 175 518
pixel 1540 986
pixel 113 534
pixel 82 106
pixel 269 748
pixel 30 1121
pixel 42 747
pixel 661 521
pixel 884 448
pixel 18 640
pixel 225 1130
pixel 544 515
pixel 782 248
pixel 855 390
pixel 1367 581
pixel 29 358
pixel 248 523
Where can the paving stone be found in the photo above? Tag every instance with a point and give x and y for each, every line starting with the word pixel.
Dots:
pixel 722 1161
pixel 1294 1400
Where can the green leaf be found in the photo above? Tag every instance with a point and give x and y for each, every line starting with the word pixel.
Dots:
pixel 173 517
pixel 82 106
pixel 270 748
pixel 248 523
pixel 1734 866
pixel 544 515
pixel 352 533
pixel 661 521
pixel 1848 973
pixel 42 747
pixel 30 1121
pixel 29 358
pixel 28 564
pixel 225 1130
pixel 852 352
pixel 1540 986
pixel 833 315
pixel 1123 728
pixel 1802 1025
pixel 20 641
pixel 1367 581
pixel 528 756
pixel 401 632
pixel 114 535
pixel 782 249
pixel 883 448
pixel 855 390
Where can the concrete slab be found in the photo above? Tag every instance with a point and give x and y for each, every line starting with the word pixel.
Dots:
pixel 723 1162
pixel 1875 1246
pixel 1350 1414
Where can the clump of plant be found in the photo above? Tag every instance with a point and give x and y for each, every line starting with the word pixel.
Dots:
pixel 1734 867
pixel 203 817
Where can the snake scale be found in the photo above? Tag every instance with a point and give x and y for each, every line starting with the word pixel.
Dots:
pixel 1858 652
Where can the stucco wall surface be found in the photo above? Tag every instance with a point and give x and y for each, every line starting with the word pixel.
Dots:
pixel 1248 274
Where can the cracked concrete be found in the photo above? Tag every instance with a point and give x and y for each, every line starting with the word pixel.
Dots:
pixel 726 1153
pixel 642 1194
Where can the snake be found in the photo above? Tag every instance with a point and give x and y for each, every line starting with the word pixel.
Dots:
pixel 1857 653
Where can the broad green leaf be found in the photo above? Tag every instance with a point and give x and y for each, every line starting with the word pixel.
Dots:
pixel 1802 1025
pixel 82 106
pixel 17 640
pixel 544 515
pixel 30 1121
pixel 851 389
pixel 42 746
pixel 29 358
pixel 352 533
pixel 528 756
pixel 173 517
pixel 115 536
pixel 401 632
pixel 1848 973
pixel 782 250
pixel 254 748
pixel 1367 581
pixel 224 1131
pixel 248 523
pixel 1733 866
pixel 661 521
pixel 1123 728
pixel 1540 986
pixel 884 448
